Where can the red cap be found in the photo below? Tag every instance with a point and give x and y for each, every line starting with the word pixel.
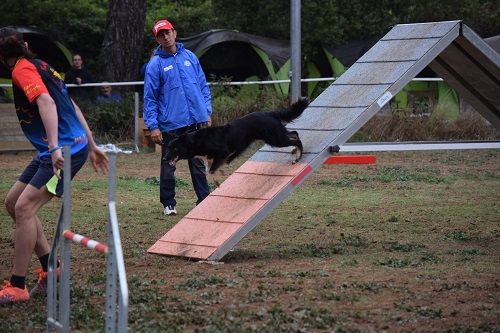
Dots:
pixel 161 25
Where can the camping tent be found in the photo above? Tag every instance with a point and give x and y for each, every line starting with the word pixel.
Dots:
pixel 236 54
pixel 240 56
pixel 45 48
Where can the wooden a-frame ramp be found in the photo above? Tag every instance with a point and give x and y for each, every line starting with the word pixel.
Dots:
pixel 230 212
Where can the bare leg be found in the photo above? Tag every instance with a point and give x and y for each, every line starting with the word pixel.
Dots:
pixel 29 234
pixel 42 246
pixel 12 196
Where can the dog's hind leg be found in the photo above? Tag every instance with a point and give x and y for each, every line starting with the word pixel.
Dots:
pixel 216 163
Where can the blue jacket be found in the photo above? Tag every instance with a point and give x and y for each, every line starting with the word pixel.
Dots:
pixel 176 93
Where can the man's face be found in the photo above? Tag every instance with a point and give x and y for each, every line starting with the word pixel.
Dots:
pixel 166 38
pixel 77 61
pixel 106 90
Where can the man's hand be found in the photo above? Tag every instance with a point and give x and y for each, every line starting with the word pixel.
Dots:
pixel 78 80
pixel 57 161
pixel 99 160
pixel 208 123
pixel 156 136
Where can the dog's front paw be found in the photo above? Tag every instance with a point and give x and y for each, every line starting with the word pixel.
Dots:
pixel 298 154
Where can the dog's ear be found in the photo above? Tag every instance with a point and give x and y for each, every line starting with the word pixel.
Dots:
pixel 172 135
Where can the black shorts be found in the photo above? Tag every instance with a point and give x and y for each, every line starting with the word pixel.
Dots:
pixel 39 172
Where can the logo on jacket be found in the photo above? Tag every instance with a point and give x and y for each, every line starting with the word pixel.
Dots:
pixel 169 67
pixel 187 63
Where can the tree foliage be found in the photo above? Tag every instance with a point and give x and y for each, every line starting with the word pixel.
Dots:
pixel 339 21
pixel 334 22
pixel 81 25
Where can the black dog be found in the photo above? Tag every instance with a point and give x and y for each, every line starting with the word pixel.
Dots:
pixel 225 143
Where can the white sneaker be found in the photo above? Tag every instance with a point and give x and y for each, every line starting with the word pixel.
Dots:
pixel 170 210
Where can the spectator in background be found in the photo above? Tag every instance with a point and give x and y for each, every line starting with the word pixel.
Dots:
pixel 106 94
pixel 78 74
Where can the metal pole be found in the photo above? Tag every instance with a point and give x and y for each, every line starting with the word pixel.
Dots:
pixel 116 303
pixel 52 286
pixel 64 290
pixel 136 122
pixel 295 50
pixel 111 279
pixel 58 290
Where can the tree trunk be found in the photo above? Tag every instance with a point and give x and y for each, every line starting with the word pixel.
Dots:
pixel 121 52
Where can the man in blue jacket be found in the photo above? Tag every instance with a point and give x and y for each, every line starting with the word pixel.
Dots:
pixel 176 100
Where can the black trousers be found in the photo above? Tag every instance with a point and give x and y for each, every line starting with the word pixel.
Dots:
pixel 167 171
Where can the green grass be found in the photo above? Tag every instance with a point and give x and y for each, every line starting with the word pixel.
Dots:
pixel 409 244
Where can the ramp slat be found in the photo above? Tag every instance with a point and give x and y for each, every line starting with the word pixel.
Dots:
pixel 181 250
pixel 421 30
pixel 354 96
pixel 372 73
pixel 313 142
pixel 266 168
pixel 251 186
pixel 279 157
pixel 236 210
pixel 326 118
pixel 408 50
pixel 201 233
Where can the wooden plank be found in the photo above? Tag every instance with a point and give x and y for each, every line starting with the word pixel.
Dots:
pixel 181 250
pixel 215 208
pixel 200 232
pixel 252 186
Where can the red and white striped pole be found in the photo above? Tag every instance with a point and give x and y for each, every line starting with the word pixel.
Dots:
pixel 85 241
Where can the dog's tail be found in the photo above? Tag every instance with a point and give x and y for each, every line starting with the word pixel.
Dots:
pixel 293 112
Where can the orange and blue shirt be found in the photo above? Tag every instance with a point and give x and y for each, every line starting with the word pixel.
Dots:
pixel 30 79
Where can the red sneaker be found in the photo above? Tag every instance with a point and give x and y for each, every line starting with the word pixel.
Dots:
pixel 40 288
pixel 11 294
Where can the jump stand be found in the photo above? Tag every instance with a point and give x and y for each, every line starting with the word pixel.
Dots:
pixel 58 293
